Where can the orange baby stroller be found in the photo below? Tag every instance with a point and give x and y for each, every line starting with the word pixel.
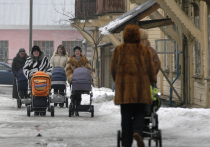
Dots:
pixel 40 84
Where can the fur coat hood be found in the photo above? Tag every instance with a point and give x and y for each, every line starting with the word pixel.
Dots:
pixel 132 69
pixel 59 60
pixel 72 64
pixel 145 41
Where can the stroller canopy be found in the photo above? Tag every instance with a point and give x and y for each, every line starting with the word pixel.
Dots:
pixel 81 79
pixel 58 74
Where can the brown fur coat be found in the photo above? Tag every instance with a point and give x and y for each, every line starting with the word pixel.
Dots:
pixel 132 69
pixel 72 64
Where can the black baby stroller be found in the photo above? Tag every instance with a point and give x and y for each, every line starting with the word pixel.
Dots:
pixel 22 88
pixel 150 131
pixel 81 84
pixel 58 85
pixel 40 84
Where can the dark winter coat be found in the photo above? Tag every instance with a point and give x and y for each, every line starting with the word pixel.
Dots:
pixel 72 64
pixel 17 64
pixel 145 41
pixel 132 69
pixel 34 64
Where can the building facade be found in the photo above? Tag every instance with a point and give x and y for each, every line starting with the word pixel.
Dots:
pixel 183 47
pixel 50 27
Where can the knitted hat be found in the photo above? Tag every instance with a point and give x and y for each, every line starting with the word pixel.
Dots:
pixel 77 48
pixel 35 48
pixel 22 50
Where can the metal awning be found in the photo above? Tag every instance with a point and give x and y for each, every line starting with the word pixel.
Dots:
pixel 148 24
pixel 105 44
pixel 130 17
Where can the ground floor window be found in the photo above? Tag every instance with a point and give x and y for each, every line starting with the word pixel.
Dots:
pixel 69 46
pixel 3 51
pixel 169 48
pixel 46 46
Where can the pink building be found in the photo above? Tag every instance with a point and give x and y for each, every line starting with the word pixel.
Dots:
pixel 11 40
pixel 50 27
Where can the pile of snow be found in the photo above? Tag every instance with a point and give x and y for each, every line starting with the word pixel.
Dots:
pixel 105 30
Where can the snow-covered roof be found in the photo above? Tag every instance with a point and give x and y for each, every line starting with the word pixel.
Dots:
pixel 122 20
pixel 45 12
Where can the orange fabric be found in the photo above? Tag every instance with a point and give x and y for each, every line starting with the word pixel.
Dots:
pixel 40 83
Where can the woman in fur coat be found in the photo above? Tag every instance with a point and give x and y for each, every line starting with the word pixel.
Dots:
pixel 75 61
pixel 133 72
pixel 59 58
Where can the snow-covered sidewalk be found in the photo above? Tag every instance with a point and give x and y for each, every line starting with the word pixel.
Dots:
pixel 180 127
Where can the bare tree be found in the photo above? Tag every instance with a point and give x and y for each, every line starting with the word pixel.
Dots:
pixel 84 28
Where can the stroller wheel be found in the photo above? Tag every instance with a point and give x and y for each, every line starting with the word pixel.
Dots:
pixel 159 138
pixel 92 110
pixel 52 111
pixel 70 111
pixel 66 102
pixel 118 138
pixel 19 103
pixel 61 104
pixel 28 110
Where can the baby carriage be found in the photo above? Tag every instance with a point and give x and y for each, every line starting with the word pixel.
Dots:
pixel 58 84
pixel 40 84
pixel 150 130
pixel 22 87
pixel 81 84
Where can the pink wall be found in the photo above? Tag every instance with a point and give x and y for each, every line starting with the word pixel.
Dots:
pixel 20 38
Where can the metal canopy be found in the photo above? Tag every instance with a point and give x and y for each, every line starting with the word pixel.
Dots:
pixel 148 24
pixel 133 15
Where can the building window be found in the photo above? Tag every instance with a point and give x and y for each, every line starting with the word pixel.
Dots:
pixel 69 46
pixel 3 51
pixel 46 46
pixel 167 47
pixel 196 49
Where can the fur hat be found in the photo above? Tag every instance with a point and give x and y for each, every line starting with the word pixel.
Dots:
pixel 77 48
pixel 35 48
pixel 22 50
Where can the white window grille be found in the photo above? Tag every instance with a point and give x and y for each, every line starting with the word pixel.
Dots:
pixel 3 51
pixel 166 47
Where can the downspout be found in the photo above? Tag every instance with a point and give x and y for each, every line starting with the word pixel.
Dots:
pixel 177 75
pixel 113 87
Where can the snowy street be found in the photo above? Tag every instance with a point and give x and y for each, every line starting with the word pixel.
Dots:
pixel 180 127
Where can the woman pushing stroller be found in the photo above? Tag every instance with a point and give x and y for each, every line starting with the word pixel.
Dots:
pixel 75 61
pixel 59 59
pixel 133 71
pixel 37 61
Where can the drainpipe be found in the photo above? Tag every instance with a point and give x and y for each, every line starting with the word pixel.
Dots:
pixel 177 75
pixel 113 87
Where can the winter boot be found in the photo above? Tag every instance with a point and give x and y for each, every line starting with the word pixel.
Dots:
pixel 140 142
pixel 76 113
pixel 36 113
pixel 42 113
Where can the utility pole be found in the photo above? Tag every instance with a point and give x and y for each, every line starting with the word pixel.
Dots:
pixel 30 25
